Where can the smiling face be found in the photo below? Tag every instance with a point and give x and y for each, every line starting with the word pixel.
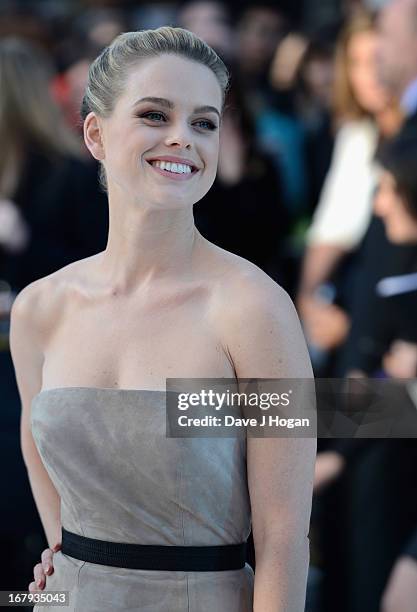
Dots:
pixel 169 110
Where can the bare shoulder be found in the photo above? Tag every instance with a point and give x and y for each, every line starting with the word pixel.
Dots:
pixel 242 290
pixel 258 323
pixel 38 307
pixel 35 314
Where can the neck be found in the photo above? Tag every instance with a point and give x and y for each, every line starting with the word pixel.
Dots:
pixel 146 244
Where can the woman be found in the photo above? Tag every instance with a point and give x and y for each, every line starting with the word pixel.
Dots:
pixel 365 114
pixel 100 465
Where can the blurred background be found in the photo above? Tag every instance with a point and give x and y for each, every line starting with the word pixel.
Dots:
pixel 316 185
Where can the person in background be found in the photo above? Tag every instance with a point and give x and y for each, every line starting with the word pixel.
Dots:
pixel 373 534
pixel 52 212
pixel 67 86
pixel 379 258
pixel 99 26
pixel 366 113
pixel 313 87
pixel 397 57
pixel 381 521
pixel 210 20
pixel 393 336
pixel 45 186
pixel 382 473
pixel 396 204
pixel 90 33
pixel 244 211
pixel 260 31
pixel 286 62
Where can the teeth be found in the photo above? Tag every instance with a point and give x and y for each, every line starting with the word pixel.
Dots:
pixel 172 167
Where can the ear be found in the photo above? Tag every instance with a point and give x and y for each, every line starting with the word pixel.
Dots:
pixel 93 136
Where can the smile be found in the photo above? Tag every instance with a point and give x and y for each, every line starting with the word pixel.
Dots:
pixel 174 171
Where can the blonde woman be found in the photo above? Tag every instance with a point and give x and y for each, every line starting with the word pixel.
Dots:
pixel 94 343
pixel 365 112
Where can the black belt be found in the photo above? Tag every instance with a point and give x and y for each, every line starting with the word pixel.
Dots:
pixel 150 557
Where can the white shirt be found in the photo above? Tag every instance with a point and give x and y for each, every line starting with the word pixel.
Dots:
pixel 344 210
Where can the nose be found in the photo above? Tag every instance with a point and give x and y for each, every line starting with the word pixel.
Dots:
pixel 180 136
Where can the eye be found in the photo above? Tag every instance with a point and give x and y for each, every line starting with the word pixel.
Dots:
pixel 207 125
pixel 155 116
pixel 151 114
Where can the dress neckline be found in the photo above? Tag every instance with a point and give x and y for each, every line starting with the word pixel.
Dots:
pixel 96 390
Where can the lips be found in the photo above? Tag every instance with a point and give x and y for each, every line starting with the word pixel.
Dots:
pixel 175 176
pixel 175 160
pixel 194 169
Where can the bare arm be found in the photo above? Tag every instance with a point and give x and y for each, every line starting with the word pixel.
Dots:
pixel 344 210
pixel 265 341
pixel 26 344
pixel 319 263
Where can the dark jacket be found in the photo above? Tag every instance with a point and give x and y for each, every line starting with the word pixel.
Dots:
pixel 66 213
pixel 247 218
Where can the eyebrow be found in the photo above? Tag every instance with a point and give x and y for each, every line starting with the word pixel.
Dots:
pixel 170 105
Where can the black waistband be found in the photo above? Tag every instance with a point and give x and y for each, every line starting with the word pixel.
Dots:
pixel 150 557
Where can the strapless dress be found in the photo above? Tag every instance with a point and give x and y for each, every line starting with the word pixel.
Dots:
pixel 120 479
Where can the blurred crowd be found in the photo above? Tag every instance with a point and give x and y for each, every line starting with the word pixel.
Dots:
pixel 316 185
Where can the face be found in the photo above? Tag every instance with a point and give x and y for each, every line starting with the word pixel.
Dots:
pixel 209 20
pixel 400 226
pixel 259 33
pixel 180 123
pixel 362 72
pixel 397 45
pixel 319 79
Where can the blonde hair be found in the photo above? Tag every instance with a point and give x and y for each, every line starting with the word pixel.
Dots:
pixel 345 104
pixel 28 114
pixel 108 73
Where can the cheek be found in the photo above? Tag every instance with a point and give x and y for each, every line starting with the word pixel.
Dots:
pixel 212 163
pixel 358 82
pixel 385 203
pixel 399 222
pixel 127 151
pixel 212 153
pixel 403 219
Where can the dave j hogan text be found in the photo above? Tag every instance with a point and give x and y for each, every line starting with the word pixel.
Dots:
pixel 227 420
